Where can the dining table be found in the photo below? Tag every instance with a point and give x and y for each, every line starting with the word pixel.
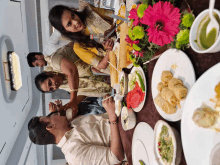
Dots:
pixel 201 63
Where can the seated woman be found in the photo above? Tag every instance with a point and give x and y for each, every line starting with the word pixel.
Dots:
pixel 78 26
pixel 92 86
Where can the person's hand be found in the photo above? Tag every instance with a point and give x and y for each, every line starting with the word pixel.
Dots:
pixel 73 105
pixel 108 31
pixel 109 105
pixel 108 45
pixel 58 103
pixel 52 107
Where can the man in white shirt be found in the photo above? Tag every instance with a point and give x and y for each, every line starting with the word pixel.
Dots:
pixel 54 43
pixel 89 140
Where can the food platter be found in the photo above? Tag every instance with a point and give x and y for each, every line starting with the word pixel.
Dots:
pixel 145 134
pixel 140 70
pixel 198 142
pixel 178 63
pixel 139 153
pixel 176 144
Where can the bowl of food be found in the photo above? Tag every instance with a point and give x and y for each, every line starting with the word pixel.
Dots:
pixel 167 144
pixel 199 41
pixel 123 83
pixel 128 118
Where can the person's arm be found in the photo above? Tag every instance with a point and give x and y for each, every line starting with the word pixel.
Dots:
pixel 52 107
pixel 116 144
pixel 103 64
pixel 108 45
pixel 91 58
pixel 80 98
pixel 70 69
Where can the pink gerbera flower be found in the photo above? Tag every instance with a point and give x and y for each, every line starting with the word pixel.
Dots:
pixel 128 40
pixel 163 20
pixel 133 15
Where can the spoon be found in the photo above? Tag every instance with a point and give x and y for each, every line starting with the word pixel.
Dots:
pixel 213 24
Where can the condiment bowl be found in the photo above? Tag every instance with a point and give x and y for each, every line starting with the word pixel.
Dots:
pixel 193 32
pixel 175 139
pixel 128 118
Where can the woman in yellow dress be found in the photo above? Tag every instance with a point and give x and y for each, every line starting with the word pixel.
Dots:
pixel 79 26
pixel 89 85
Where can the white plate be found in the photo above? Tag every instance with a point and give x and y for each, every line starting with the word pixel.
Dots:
pixel 145 134
pixel 139 153
pixel 184 71
pixel 198 142
pixel 214 156
pixel 141 105
pixel 157 131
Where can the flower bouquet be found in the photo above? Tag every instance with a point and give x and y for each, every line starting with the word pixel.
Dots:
pixel 156 25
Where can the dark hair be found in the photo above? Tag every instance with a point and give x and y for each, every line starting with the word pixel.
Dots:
pixel 31 58
pixel 38 133
pixel 55 20
pixel 40 78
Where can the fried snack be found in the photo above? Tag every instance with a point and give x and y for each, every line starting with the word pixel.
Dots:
pixel 160 86
pixel 123 47
pixel 217 105
pixel 180 92
pixel 169 96
pixel 164 105
pixel 113 66
pixel 173 82
pixel 166 76
pixel 204 117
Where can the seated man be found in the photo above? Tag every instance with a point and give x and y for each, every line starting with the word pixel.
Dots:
pixel 54 61
pixel 89 140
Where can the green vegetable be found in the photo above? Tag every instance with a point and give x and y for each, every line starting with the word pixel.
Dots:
pixel 141 9
pixel 141 82
pixel 141 162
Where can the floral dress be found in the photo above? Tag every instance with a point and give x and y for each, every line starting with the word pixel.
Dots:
pixel 89 85
pixel 97 21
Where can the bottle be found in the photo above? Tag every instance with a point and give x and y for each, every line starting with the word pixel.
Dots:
pixel 69 114
pixel 98 38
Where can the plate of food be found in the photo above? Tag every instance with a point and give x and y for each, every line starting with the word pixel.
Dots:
pixel 167 144
pixel 200 124
pixel 145 135
pixel 139 154
pixel 172 79
pixel 137 88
